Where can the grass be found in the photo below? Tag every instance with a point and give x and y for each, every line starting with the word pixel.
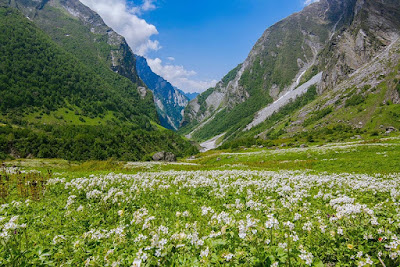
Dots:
pixel 68 116
pixel 369 156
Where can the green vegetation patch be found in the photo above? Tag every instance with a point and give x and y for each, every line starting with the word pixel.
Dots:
pixel 317 115
pixel 355 100
pixel 85 142
pixel 37 75
pixel 311 72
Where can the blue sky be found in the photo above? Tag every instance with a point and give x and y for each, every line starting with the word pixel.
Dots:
pixel 193 44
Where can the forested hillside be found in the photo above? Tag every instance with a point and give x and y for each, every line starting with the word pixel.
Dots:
pixel 54 105
pixel 37 75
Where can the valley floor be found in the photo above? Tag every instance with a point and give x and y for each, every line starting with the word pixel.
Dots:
pixel 329 205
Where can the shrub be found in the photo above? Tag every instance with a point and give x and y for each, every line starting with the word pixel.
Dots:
pixel 355 100
pixel 318 115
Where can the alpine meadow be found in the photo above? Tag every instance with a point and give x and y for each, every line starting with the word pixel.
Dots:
pixel 118 146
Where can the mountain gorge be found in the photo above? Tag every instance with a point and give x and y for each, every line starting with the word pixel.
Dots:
pixel 325 49
pixel 170 101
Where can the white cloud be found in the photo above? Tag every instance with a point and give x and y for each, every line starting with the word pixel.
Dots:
pixel 308 2
pixel 126 22
pixel 148 5
pixel 179 76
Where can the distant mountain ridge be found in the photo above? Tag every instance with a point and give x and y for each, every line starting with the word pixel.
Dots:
pixel 170 101
pixel 190 96
pixel 326 45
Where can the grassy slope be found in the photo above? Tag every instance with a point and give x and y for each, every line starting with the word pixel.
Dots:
pixel 371 106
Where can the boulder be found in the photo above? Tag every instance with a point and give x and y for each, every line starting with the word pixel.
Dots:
pixel 159 156
pixel 170 157
pixel 164 156
pixel 390 129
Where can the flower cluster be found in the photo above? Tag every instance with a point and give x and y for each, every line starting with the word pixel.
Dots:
pixel 220 217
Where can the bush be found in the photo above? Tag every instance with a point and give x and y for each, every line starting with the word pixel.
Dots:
pixel 355 100
pixel 318 115
pixel 375 133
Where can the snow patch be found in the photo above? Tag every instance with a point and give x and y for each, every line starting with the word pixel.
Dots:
pixel 266 112
pixel 211 143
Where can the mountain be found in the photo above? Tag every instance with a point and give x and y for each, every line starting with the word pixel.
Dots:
pixel 190 96
pixel 97 49
pixel 38 76
pixel 306 73
pixel 170 101
pixel 69 87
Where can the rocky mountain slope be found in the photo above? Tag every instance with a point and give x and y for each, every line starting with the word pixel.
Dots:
pixel 81 31
pixel 323 46
pixel 170 102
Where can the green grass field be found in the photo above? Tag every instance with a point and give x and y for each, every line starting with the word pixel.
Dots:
pixel 323 205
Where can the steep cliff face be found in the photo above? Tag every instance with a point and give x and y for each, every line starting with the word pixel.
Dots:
pixel 370 27
pixel 321 45
pixel 170 102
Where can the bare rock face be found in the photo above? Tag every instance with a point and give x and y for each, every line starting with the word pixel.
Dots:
pixel 169 100
pixel 164 156
pixel 370 27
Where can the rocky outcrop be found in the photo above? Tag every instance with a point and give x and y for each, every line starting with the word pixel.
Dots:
pixel 370 27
